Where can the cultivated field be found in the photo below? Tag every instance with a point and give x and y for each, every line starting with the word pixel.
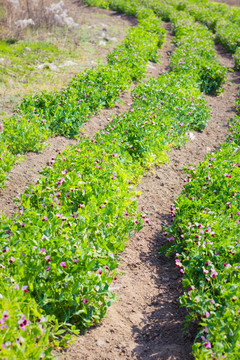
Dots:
pixel 126 168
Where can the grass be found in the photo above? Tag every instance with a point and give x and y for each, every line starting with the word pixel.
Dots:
pixel 19 61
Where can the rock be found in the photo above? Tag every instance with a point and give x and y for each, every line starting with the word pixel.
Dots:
pixel 68 63
pixel 150 66
pixel 191 136
pixel 115 287
pixel 102 43
pixel 49 66
pixel 100 342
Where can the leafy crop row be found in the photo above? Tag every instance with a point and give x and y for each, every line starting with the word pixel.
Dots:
pixel 223 20
pixel 205 237
pixel 195 53
pixel 63 244
pixel 64 112
pixel 195 46
pixel 60 251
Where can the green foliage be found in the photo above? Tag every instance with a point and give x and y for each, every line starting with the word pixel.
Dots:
pixel 195 47
pixel 64 242
pixel 23 134
pixel 7 159
pixel 236 58
pixel 205 237
pixel 23 55
pixel 206 228
pixel 229 35
pixel 24 329
pixel 64 112
pixel 219 18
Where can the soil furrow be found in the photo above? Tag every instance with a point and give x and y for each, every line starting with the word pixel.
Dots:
pixel 146 322
pixel 99 121
pixel 28 171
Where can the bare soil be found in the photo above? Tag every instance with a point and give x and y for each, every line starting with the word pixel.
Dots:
pixel 28 171
pixel 230 2
pixel 98 32
pixel 146 322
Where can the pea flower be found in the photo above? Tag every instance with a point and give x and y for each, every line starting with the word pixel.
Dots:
pixel 208 345
pixel 12 259
pixel 63 264
pixel 206 315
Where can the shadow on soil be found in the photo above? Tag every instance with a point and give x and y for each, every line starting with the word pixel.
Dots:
pixel 161 336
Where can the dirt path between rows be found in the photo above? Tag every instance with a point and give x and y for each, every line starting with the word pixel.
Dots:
pixel 146 322
pixel 28 171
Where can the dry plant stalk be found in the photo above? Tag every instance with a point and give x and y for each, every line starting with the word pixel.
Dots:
pixel 24 13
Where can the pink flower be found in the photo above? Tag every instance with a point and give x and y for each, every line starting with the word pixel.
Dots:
pixel 47 268
pixel 45 218
pixel 42 250
pixel 12 259
pixel 24 288
pixel 4 326
pixel 47 258
pixel 206 315
pixel 85 301
pixel 63 264
pixel 5 315
pixel 208 345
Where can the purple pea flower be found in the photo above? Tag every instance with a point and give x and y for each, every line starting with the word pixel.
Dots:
pixel 12 259
pixel 206 315
pixel 208 345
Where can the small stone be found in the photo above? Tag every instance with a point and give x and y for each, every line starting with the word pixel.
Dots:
pixel 100 342
pixel 102 43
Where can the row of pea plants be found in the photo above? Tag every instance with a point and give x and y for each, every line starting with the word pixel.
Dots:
pixel 60 251
pixel 223 20
pixel 195 51
pixel 205 239
pixel 64 112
